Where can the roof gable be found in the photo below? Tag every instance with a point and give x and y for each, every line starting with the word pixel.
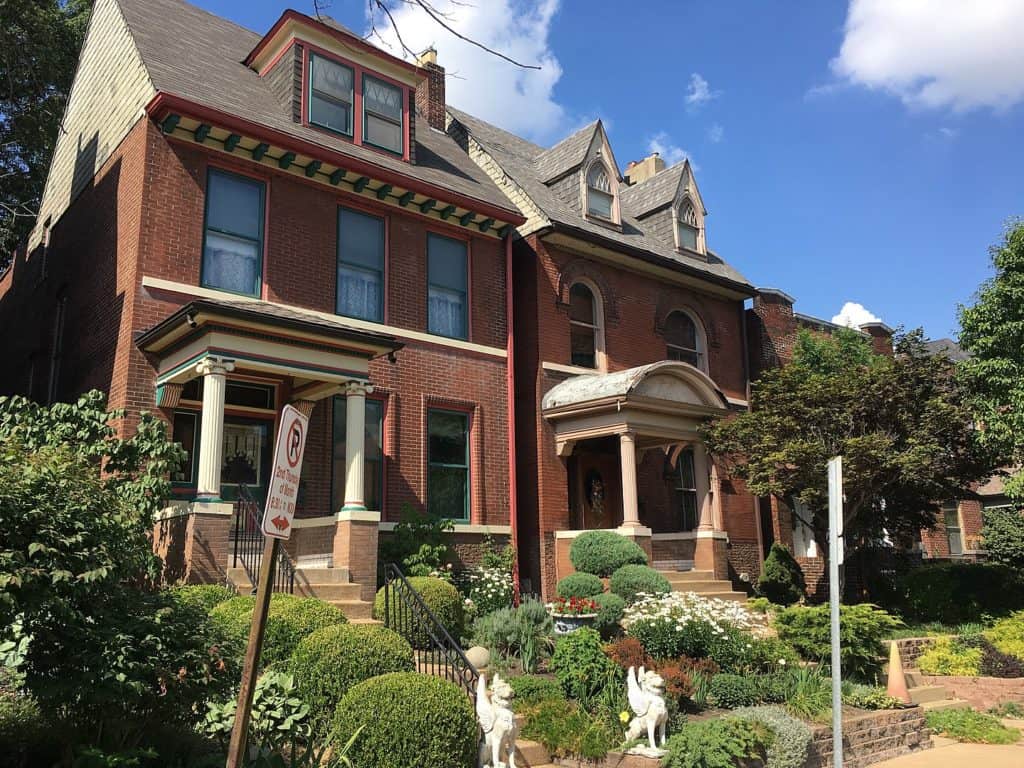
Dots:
pixel 568 154
pixel 668 187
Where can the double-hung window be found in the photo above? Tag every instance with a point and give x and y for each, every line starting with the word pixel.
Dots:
pixel 382 115
pixel 687 227
pixel 954 535
pixel 373 454
pixel 682 340
pixel 600 200
pixel 331 88
pixel 583 326
pixel 686 490
pixel 233 244
pixel 360 265
pixel 448 464
pixel 448 287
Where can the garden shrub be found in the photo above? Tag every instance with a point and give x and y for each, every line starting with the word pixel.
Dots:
pixel 628 652
pixel 418 542
pixel 205 597
pixel 289 620
pixel 768 653
pixel 327 663
pixel 722 743
pixel 22 728
pixel 948 656
pixel 861 628
pixel 488 588
pixel 1008 635
pixel 522 633
pixel 611 608
pixel 531 690
pixel 792 738
pixel 970 726
pixel 678 681
pixel 565 730
pixel 958 592
pixel 581 666
pixel 438 595
pixel 408 720
pixel 630 581
pixel 579 585
pixel 995 663
pixel 867 697
pixel 1003 533
pixel 279 719
pixel 782 578
pixel 604 552
pixel 773 688
pixel 809 692
pixel 731 691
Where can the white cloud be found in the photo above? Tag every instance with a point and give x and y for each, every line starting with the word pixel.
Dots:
pixel 670 153
pixel 957 54
pixel 854 315
pixel 699 92
pixel 519 100
pixel 716 133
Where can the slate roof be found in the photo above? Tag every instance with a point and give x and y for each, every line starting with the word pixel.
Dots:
pixel 946 347
pixel 194 54
pixel 649 194
pixel 518 158
pixel 566 154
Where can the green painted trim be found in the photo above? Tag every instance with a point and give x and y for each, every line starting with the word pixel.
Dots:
pixel 312 168
pixel 485 225
pixel 361 183
pixel 405 199
pixel 201 132
pixel 284 161
pixel 447 211
pixel 466 218
pixel 427 205
pixel 196 359
pixel 383 191
pixel 354 508
pixel 260 150
pixel 337 176
pixel 231 142
pixel 170 123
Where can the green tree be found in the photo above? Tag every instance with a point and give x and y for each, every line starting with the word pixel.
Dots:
pixel 900 423
pixel 1003 534
pixel 992 331
pixel 39 44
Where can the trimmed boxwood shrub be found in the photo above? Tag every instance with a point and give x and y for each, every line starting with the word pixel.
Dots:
pixel 289 620
pixel 409 720
pixel 604 552
pixel 204 597
pixel 531 690
pixel 732 691
pixel 580 585
pixel 439 596
pixel 327 663
pixel 630 580
pixel 611 608
pixel 782 578
pixel 958 593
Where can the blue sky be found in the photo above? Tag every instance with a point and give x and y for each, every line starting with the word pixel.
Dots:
pixel 845 151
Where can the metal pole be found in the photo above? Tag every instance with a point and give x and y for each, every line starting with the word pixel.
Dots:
pixel 835 558
pixel 240 732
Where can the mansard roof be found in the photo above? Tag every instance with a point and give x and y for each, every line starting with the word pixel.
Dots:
pixel 197 56
pixel 529 166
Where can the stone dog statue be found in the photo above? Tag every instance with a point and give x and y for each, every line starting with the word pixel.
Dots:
pixel 646 694
pixel 497 722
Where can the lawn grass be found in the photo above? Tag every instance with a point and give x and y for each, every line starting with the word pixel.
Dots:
pixel 935 629
pixel 970 726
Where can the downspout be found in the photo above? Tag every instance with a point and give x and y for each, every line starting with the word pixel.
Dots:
pixel 510 389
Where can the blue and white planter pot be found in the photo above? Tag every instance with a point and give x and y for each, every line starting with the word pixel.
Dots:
pixel 568 623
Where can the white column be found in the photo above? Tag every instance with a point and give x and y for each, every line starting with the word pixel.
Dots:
pixel 630 501
pixel 211 440
pixel 355 440
pixel 705 489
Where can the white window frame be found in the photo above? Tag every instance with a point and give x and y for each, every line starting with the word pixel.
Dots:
pixel 600 363
pixel 599 166
pixel 687 214
pixel 701 339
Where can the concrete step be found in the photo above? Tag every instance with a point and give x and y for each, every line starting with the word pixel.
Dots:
pixel 323 575
pixel 333 591
pixel 532 754
pixel 701 587
pixel 736 597
pixel 354 609
pixel 924 694
pixel 688 575
pixel 931 706
pixel 374 622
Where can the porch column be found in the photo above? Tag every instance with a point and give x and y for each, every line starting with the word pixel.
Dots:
pixel 630 501
pixel 705 489
pixel 211 441
pixel 355 439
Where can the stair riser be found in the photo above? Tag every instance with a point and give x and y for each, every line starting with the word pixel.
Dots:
pixel 329 591
pixel 688 575
pixel 354 609
pixel 928 694
pixel 700 587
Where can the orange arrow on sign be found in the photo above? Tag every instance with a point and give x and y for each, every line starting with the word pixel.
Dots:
pixel 281 523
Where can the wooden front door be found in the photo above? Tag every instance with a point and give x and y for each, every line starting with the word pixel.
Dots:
pixel 596 485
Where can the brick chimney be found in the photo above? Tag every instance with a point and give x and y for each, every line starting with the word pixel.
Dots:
pixel 644 169
pixel 430 92
pixel 881 337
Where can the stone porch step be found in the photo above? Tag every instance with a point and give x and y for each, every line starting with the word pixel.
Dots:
pixel 704 584
pixel 931 706
pixel 331 585
pixel 700 587
pixel 691 575
pixel 329 592
pixel 925 694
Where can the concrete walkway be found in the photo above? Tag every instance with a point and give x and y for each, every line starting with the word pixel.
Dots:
pixel 951 754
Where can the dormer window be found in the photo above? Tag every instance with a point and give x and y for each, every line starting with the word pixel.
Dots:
pixel 600 199
pixel 331 95
pixel 382 114
pixel 688 227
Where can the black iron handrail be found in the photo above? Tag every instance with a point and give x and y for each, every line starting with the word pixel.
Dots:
pixel 249 541
pixel 407 614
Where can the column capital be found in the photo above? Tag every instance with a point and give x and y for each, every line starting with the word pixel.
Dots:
pixel 356 387
pixel 215 366
pixel 629 436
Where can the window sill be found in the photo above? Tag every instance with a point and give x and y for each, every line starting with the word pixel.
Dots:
pixel 573 370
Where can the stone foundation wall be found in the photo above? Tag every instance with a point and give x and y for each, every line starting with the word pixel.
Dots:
pixel 872 738
pixel 911 649
pixel 980 692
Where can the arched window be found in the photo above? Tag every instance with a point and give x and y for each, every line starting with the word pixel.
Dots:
pixel 600 198
pixel 683 339
pixel 584 326
pixel 688 227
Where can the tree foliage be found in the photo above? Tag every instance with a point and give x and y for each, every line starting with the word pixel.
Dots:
pixel 992 331
pixel 1003 534
pixel 900 423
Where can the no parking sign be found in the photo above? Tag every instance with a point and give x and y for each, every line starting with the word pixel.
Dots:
pixel 284 478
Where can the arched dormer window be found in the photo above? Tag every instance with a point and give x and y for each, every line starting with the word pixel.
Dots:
pixel 688 227
pixel 600 195
pixel 586 327
pixel 684 340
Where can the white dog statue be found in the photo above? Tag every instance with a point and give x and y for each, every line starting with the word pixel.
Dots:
pixel 497 722
pixel 646 693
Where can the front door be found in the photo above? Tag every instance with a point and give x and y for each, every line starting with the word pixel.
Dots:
pixel 596 485
pixel 247 456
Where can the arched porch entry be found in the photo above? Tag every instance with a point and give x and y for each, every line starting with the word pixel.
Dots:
pixel 609 426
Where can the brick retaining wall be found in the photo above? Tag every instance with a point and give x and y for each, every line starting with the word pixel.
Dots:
pixel 872 738
pixel 980 692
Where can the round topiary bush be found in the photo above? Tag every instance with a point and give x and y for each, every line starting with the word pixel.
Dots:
pixel 630 580
pixel 289 620
pixel 611 609
pixel 579 585
pixel 438 595
pixel 782 578
pixel 327 663
pixel 408 720
pixel 204 597
pixel 604 552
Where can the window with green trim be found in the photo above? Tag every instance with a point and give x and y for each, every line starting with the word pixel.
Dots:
pixel 331 88
pixel 383 110
pixel 233 240
pixel 373 454
pixel 448 464
pixel 447 291
pixel 360 265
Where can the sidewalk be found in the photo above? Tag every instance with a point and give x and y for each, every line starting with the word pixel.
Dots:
pixel 951 754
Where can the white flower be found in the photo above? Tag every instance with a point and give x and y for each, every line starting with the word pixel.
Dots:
pixel 782 662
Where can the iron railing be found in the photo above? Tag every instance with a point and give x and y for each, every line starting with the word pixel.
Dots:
pixel 249 541
pixel 437 653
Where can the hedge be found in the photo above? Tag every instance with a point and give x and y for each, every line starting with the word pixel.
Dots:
pixel 604 552
pixel 439 596
pixel 327 663
pixel 205 597
pixel 408 720
pixel 579 585
pixel 958 593
pixel 630 580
